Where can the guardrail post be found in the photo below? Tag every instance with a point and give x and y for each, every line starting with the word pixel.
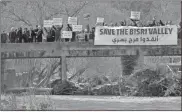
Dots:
pixel 181 22
pixel 1 5
pixel 63 68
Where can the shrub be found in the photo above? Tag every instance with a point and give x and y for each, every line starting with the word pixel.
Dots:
pixel 26 101
pixel 152 83
pixel 63 87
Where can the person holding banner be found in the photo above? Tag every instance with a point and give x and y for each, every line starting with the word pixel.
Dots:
pixel 57 30
pixel 68 28
pixel 51 35
pixel 81 36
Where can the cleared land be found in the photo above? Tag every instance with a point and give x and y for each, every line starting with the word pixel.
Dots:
pixel 113 103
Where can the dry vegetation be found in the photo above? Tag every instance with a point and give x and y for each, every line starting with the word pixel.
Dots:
pixel 26 101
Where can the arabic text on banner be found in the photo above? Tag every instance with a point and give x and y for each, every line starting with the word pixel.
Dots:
pixel 128 35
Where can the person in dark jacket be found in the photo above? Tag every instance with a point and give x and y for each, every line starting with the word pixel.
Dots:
pixel 47 34
pixel 134 22
pixel 26 35
pixel 161 23
pixel 92 34
pixel 39 34
pixel 57 30
pixel 180 30
pixel 20 35
pixel 36 32
pixel 154 22
pixel 50 34
pixel 52 31
pixel 16 39
pixel 12 36
pixel 36 29
pixel 4 37
pixel 69 28
pixel 32 36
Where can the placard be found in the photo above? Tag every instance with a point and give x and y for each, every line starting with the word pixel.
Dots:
pixel 48 23
pixel 57 21
pixel 66 34
pixel 135 15
pixel 124 35
pixel 100 20
pixel 72 20
pixel 77 27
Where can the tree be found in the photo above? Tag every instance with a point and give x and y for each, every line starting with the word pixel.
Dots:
pixel 127 6
pixel 161 7
pixel 35 11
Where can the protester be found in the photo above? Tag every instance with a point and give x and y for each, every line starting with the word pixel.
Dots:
pixel 12 36
pixel 36 32
pixel 68 28
pixel 4 37
pixel 86 35
pixel 26 35
pixel 39 34
pixel 81 36
pixel 92 34
pixel 20 35
pixel 32 37
pixel 57 32
pixel 54 33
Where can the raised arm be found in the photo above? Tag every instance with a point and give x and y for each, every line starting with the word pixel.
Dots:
pixel 161 23
pixel 69 27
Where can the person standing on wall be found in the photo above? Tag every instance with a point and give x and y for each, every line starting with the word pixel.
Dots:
pixel 4 37
pixel 39 34
pixel 19 35
pixel 26 35
pixel 57 30
pixel 32 35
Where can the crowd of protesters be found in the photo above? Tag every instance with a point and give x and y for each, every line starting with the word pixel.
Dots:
pixel 54 33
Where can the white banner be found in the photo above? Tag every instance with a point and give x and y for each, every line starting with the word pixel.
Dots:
pixel 48 23
pixel 128 35
pixel 57 21
pixel 100 20
pixel 162 60
pixel 135 15
pixel 72 20
pixel 77 27
pixel 66 34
